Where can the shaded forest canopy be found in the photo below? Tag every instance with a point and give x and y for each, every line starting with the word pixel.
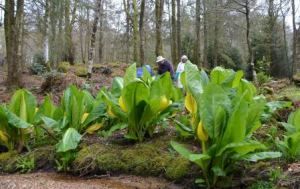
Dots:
pixel 231 33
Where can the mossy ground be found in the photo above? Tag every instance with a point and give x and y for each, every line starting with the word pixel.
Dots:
pixel 39 158
pixel 292 92
pixel 152 158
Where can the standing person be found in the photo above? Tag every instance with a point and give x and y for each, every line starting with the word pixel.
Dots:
pixel 180 69
pixel 164 66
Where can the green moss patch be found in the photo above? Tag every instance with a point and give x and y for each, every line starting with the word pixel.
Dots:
pixel 292 92
pixel 8 161
pixel 37 159
pixel 151 158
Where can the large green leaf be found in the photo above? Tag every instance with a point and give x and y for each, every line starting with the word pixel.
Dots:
pixel 262 156
pixel 254 114
pixel 247 88
pixel 16 121
pixel 48 109
pixel 97 111
pixel 23 104
pixel 117 86
pixel 193 80
pixel 236 127
pixel 135 92
pixel 162 86
pixel 220 75
pixel 49 122
pixel 292 142
pixel 70 140
pixel 130 74
pixel 237 79
pixel 3 118
pixel 211 100
pixel 242 148
pixel 294 119
pixel 181 149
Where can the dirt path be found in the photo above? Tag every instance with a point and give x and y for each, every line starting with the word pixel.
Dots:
pixel 59 181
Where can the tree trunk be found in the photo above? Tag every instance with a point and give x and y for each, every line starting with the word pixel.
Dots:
pixel 205 34
pixel 248 31
pixel 275 69
pixel 45 32
pixel 126 8
pixel 68 54
pixel 159 7
pixel 250 56
pixel 141 30
pixel 174 50
pixel 216 36
pixel 295 66
pixel 178 29
pixel 101 33
pixel 93 39
pixel 135 31
pixel 197 42
pixel 13 25
pixel 81 21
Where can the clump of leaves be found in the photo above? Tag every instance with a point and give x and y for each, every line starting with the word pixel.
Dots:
pixel 140 102
pixel 225 114
pixel 26 164
pixel 289 146
pixel 16 119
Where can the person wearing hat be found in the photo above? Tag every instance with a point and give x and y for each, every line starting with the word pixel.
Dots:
pixel 164 66
pixel 180 69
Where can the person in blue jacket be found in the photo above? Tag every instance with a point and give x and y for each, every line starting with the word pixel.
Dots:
pixel 139 70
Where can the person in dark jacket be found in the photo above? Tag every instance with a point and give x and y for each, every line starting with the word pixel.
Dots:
pixel 164 66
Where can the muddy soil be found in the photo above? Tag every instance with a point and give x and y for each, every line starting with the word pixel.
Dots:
pixel 60 181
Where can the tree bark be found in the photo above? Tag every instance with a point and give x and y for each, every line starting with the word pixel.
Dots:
pixel 178 28
pixel 126 8
pixel 216 35
pixel 275 66
pixel 247 14
pixel 13 25
pixel 295 67
pixel 174 45
pixel 93 39
pixel 46 33
pixel 197 54
pixel 135 31
pixel 205 34
pixel 69 51
pixel 141 30
pixel 159 7
pixel 101 34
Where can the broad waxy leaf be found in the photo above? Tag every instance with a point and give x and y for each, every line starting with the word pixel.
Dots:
pixel 211 100
pixel 70 140
pixel 130 74
pixel 262 156
pixel 23 104
pixel 294 119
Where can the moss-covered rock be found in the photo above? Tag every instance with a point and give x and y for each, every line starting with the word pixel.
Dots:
pixel 63 67
pixel 177 168
pixel 8 161
pixel 151 158
pixel 81 70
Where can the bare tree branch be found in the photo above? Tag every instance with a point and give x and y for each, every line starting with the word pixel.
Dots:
pixel 2 7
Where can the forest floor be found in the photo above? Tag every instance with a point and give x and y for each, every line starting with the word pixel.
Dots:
pixel 43 180
pixel 40 87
